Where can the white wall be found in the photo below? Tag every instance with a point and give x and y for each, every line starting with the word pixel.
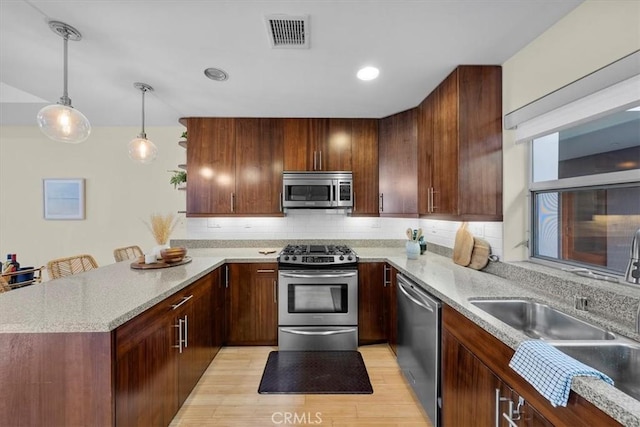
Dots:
pixel 120 194
pixel 593 35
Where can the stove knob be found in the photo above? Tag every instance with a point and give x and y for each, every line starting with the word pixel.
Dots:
pixel 341 258
pixel 286 257
pixel 350 258
pixel 294 258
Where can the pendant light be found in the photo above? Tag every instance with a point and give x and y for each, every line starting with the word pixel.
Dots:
pixel 141 149
pixel 61 122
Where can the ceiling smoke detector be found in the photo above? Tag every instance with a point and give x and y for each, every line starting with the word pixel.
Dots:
pixel 216 74
pixel 287 31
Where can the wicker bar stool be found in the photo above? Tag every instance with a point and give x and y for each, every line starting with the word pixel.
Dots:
pixel 4 285
pixel 70 265
pixel 128 252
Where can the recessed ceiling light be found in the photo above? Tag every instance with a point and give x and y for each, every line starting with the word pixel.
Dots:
pixel 368 73
pixel 216 74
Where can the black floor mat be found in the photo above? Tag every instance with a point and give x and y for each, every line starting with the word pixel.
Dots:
pixel 315 372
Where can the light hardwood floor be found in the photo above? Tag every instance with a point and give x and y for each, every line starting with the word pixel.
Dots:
pixel 227 395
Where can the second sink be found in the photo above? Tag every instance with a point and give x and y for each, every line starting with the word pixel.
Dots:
pixel 541 321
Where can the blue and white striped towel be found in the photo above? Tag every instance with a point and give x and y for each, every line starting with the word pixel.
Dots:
pixel 550 371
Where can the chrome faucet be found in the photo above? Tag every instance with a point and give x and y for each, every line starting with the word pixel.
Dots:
pixel 632 274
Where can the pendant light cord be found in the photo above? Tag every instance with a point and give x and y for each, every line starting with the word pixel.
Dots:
pixel 143 134
pixel 64 100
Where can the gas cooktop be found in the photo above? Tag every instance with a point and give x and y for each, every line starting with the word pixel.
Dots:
pixel 317 255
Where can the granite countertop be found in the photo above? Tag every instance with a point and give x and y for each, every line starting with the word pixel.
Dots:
pixel 103 299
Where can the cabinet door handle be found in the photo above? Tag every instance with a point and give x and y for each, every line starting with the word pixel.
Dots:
pixel 266 271
pixel 184 299
pixel 320 156
pixel 280 203
pixel 497 403
pixel 275 292
pixel 433 200
pixel 385 281
pixel 179 326
pixel 314 161
pixel 186 332
pixel 354 201
pixel 232 200
pixel 226 276
pixel 381 204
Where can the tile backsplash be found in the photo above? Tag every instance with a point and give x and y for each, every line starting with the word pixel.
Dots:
pixel 329 224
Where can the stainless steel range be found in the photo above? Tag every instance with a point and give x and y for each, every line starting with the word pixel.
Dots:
pixel 317 298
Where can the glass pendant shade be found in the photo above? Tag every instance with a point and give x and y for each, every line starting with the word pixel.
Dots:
pixel 142 150
pixel 63 123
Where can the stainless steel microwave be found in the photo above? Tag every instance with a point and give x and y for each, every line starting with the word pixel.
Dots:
pixel 317 190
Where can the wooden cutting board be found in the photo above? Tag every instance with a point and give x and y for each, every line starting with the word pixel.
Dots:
pixel 463 246
pixel 480 254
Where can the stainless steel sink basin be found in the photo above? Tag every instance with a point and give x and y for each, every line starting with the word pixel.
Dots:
pixel 619 360
pixel 541 321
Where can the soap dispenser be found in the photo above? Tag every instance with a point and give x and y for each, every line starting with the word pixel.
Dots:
pixel 633 268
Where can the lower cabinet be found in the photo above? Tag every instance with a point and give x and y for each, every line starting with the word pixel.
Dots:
pixel 161 354
pixel 478 397
pixel 372 303
pixel 479 389
pixel 252 305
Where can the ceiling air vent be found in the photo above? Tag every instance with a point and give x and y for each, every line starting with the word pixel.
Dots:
pixel 288 32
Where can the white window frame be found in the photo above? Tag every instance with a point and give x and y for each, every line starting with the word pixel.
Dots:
pixel 618 97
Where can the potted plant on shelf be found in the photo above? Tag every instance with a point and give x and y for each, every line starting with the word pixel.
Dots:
pixel 184 135
pixel 179 178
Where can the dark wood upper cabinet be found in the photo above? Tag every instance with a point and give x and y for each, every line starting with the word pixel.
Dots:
pixel 335 153
pixel 442 159
pixel 364 156
pixel 211 166
pixel 259 155
pixel 460 146
pixel 398 164
pixel 297 153
pixel 317 144
pixel 234 166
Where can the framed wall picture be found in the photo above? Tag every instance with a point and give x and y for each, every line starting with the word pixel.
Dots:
pixel 63 198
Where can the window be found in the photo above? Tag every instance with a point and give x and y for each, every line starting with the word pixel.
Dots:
pixel 585 192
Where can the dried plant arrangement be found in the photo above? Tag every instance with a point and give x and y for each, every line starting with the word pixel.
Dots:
pixel 161 227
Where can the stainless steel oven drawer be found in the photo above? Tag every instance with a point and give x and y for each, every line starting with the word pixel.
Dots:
pixel 318 338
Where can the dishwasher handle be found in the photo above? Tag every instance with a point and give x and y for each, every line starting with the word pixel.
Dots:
pixel 420 298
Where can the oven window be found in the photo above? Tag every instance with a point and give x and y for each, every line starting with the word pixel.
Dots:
pixel 308 193
pixel 317 298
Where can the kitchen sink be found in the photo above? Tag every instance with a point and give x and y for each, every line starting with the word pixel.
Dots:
pixel 541 321
pixel 619 360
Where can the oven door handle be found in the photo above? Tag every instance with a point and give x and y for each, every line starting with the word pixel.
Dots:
pixel 316 333
pixel 318 276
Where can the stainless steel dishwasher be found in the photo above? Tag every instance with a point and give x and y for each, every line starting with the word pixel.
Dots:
pixel 418 350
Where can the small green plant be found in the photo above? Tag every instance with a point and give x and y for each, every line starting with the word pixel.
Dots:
pixel 178 178
pixel 184 135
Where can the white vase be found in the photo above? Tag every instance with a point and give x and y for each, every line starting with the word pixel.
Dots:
pixel 413 249
pixel 157 249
